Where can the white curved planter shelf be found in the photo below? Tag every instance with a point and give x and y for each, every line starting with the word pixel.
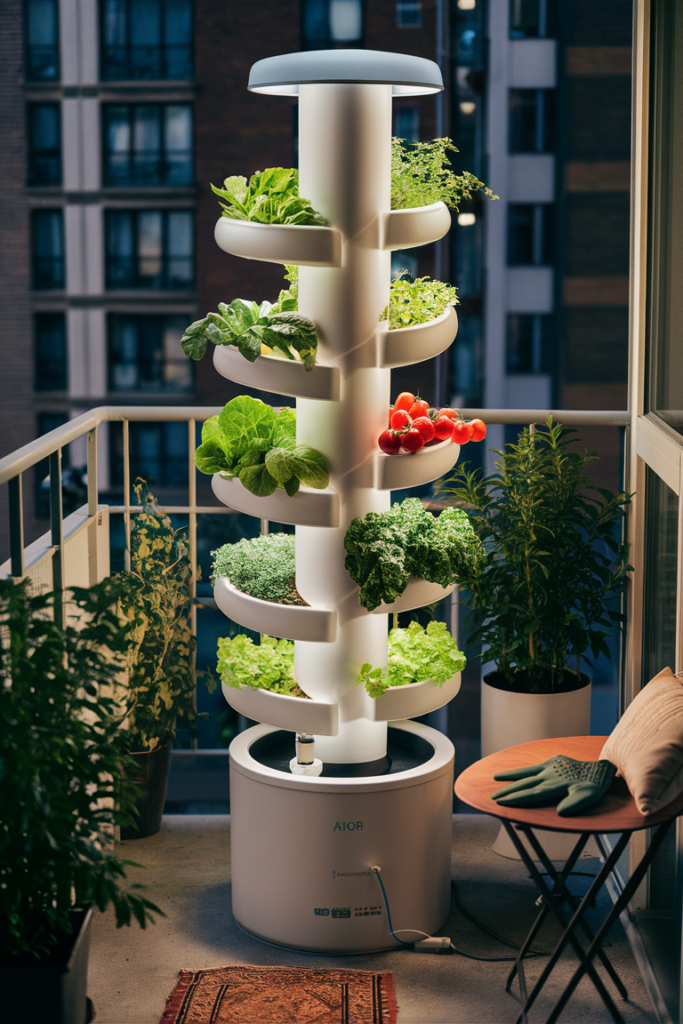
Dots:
pixel 407 345
pixel 307 507
pixel 410 469
pixel 277 374
pixel 417 594
pixel 299 244
pixel 295 622
pixel 292 713
pixel 414 700
pixel 404 229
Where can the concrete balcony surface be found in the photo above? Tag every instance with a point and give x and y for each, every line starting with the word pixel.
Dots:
pixel 186 869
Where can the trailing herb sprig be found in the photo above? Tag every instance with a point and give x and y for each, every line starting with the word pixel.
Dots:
pixel 417 302
pixel 421 174
pixel 270 197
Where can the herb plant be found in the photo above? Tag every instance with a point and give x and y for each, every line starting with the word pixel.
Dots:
pixel 263 567
pixel 415 655
pixel 385 549
pixel 266 666
pixel 417 302
pixel 161 662
pixel 62 753
pixel 251 441
pixel 421 174
pixel 270 197
pixel 543 593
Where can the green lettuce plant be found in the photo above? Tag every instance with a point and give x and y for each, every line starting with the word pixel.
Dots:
pixel 263 567
pixel 266 666
pixel 543 593
pixel 417 302
pixel 385 549
pixel 416 654
pixel 251 441
pixel 421 174
pixel 269 197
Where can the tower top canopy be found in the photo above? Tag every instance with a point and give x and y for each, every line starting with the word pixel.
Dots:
pixel 407 75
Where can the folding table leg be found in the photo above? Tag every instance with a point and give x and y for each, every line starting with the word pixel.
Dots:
pixel 568 935
pixel 627 892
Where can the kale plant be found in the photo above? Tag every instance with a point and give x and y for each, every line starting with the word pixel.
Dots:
pixel 263 567
pixel 385 549
pixel 266 666
pixel 416 654
pixel 417 302
pixel 554 563
pixel 270 197
pixel 421 174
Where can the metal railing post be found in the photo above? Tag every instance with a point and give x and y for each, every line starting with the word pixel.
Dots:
pixel 92 472
pixel 126 490
pixel 16 526
pixel 57 534
pixel 192 531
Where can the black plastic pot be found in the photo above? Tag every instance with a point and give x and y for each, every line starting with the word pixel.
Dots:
pixel 50 990
pixel 151 782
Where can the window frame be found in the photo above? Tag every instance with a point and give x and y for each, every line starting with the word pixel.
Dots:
pixel 28 46
pixel 40 385
pixel 59 260
pixel 162 47
pixel 162 158
pixel 181 361
pixel 32 180
pixel 166 260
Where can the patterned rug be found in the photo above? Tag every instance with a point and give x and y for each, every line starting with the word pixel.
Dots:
pixel 281 995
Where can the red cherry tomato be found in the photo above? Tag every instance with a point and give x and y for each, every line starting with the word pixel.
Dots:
pixel 404 401
pixel 400 420
pixel 478 430
pixel 419 408
pixel 389 442
pixel 412 440
pixel 443 427
pixel 426 428
pixel 462 432
pixel 452 414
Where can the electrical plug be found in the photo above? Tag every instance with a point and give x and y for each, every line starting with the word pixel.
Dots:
pixel 436 944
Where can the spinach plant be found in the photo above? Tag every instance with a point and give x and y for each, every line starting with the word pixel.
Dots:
pixel 251 441
pixel 417 302
pixel 62 757
pixel 263 567
pixel 385 549
pixel 421 174
pixel 266 666
pixel 416 654
pixel 270 197
pixel 554 562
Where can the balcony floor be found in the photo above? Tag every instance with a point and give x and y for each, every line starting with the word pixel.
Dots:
pixel 188 875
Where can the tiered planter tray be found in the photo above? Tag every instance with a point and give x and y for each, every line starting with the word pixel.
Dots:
pixel 414 700
pixel 407 345
pixel 280 375
pixel 404 229
pixel 297 244
pixel 294 622
pixel 417 594
pixel 410 469
pixel 293 713
pixel 307 507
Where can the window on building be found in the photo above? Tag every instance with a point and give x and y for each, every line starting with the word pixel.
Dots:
pixel 44 144
pixel 147 144
pixel 532 120
pixel 409 14
pixel 145 354
pixel 41 36
pixel 146 39
pixel 48 249
pixel 158 453
pixel 331 23
pixel 406 123
pixel 530 234
pixel 533 19
pixel 50 352
pixel 149 249
pixel 528 343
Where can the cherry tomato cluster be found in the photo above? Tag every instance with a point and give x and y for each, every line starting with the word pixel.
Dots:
pixel 413 425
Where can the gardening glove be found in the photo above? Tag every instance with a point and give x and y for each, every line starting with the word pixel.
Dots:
pixel 581 783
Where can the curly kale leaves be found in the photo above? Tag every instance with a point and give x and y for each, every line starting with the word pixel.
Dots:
pixel 385 549
pixel 251 441
pixel 416 654
pixel 267 666
pixel 270 197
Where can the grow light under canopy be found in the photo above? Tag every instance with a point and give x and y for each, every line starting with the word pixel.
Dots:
pixel 407 75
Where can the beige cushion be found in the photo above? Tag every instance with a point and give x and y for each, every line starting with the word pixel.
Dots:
pixel 647 743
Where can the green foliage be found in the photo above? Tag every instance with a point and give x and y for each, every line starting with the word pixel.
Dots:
pixel 270 197
pixel 421 174
pixel 385 549
pixel 415 655
pixel 267 666
pixel 553 564
pixel 161 665
pixel 62 752
pixel 417 302
pixel 250 326
pixel 263 567
pixel 251 441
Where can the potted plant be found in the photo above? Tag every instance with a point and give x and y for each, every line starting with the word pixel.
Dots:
pixel 62 750
pixel 263 567
pixel 544 594
pixel 161 663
